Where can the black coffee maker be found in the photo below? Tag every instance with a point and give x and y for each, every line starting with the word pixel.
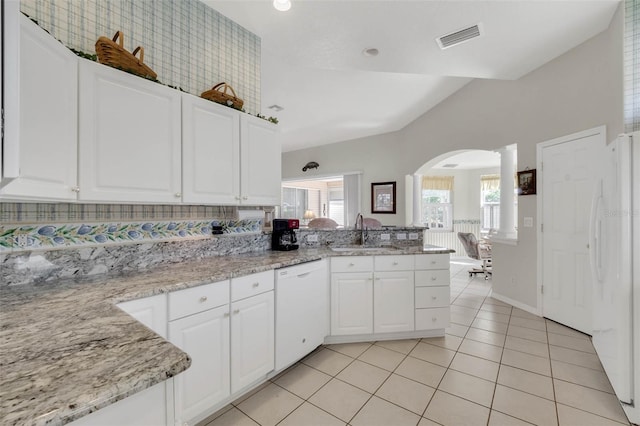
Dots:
pixel 284 235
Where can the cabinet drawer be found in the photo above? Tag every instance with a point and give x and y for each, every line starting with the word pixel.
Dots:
pixel 427 319
pixel 352 264
pixel 197 299
pixel 436 277
pixel 432 261
pixel 394 263
pixel 432 297
pixel 250 285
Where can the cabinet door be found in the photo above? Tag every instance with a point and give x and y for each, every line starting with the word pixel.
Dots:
pixel 351 303
pixel 210 152
pixel 252 339
pixel 205 337
pixel 302 311
pixel 129 149
pixel 260 162
pixel 48 141
pixel 393 296
pixel 150 311
pixel 145 408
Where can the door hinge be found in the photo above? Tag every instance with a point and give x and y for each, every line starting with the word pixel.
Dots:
pixel 542 227
pixel 541 166
pixel 541 289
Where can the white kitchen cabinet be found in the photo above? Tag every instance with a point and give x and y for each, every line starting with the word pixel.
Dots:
pixel 10 17
pixel 150 311
pixel 252 340
pixel 260 159
pixel 393 301
pixel 47 145
pixel 145 408
pixel 301 311
pixel 351 303
pixel 228 157
pixel 200 327
pixel 432 292
pixel 129 138
pixel 210 152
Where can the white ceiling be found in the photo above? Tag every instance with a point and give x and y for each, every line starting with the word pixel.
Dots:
pixel 313 66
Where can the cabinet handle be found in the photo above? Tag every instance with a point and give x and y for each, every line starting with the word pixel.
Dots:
pixel 434 278
pixel 245 198
pixel 304 340
pixel 256 285
pixel 178 195
pixel 377 279
pixel 352 264
pixel 226 315
pixel 237 198
pixel 236 311
pixel 433 297
pixel 75 189
pixel 395 263
pixel 433 262
pixel 203 299
pixel 434 319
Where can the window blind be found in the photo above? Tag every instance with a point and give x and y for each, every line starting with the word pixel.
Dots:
pixel 438 182
pixel 490 182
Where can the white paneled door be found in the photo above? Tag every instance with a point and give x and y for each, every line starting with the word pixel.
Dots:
pixel 569 176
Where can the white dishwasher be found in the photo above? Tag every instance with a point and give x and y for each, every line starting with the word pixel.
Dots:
pixel 302 311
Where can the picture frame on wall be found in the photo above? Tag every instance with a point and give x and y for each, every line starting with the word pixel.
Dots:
pixel 527 182
pixel 383 197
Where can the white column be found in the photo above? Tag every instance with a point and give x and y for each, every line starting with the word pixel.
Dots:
pixel 507 228
pixel 417 200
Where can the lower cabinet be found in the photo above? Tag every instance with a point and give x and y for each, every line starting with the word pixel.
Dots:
pixel 146 408
pixel 252 339
pixel 302 311
pixel 351 303
pixel 205 337
pixel 393 302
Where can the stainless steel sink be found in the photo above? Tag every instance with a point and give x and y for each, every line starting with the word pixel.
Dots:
pixel 363 249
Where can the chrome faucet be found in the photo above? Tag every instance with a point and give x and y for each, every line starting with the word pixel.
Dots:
pixel 363 230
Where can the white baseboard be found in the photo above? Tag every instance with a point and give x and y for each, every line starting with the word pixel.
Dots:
pixel 439 332
pixel 519 305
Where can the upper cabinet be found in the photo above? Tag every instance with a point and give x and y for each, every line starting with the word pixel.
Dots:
pixel 76 130
pixel 129 139
pixel 48 119
pixel 260 162
pixel 210 152
pixel 228 157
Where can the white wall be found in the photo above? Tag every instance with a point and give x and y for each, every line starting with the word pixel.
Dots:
pixel 576 91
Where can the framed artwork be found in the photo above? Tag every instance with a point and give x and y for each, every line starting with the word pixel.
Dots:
pixel 527 182
pixel 383 197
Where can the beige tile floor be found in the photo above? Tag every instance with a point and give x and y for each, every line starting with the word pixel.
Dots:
pixel 496 365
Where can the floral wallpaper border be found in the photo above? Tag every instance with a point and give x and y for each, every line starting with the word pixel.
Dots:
pixel 47 236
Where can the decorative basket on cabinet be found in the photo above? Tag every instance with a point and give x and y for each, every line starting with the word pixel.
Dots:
pixel 114 54
pixel 219 93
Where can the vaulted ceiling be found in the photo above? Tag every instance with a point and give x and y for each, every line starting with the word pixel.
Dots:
pixel 314 67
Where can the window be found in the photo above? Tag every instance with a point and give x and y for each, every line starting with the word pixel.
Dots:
pixel 294 203
pixel 437 206
pixel 490 202
pixel 335 197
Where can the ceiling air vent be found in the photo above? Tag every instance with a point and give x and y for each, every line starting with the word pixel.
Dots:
pixel 460 36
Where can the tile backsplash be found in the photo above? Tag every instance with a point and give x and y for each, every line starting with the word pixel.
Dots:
pixel 187 43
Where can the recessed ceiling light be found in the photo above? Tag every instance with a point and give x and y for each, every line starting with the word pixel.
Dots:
pixel 276 108
pixel 370 51
pixel 282 5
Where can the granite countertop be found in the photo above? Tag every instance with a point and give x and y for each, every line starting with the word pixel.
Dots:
pixel 66 350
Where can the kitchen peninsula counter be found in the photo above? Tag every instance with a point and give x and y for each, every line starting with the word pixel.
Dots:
pixel 66 350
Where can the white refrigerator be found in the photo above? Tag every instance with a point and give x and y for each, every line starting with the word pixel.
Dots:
pixel 615 265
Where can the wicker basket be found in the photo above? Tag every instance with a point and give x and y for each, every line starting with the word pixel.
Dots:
pixel 113 54
pixel 219 93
